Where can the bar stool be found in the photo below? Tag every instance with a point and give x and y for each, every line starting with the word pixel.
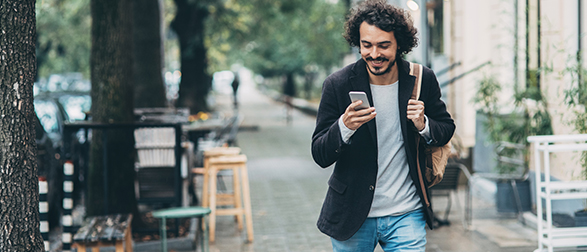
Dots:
pixel 215 152
pixel 237 163
pixel 222 199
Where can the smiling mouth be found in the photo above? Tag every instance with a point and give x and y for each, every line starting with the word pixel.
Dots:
pixel 377 61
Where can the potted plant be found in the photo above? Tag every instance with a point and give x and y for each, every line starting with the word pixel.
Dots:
pixel 508 133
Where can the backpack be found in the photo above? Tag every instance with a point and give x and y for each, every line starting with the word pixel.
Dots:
pixel 436 156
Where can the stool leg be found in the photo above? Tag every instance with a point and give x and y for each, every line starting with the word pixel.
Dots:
pixel 81 247
pixel 247 202
pixel 198 235
pixel 203 235
pixel 236 185
pixel 163 234
pixel 205 184
pixel 119 247
pixel 128 239
pixel 96 249
pixel 212 174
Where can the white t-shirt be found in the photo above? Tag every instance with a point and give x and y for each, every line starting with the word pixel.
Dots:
pixel 395 192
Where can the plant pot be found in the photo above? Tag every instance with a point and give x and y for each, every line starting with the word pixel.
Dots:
pixel 505 200
pixel 581 218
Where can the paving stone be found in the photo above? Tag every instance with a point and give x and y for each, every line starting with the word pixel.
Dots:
pixel 287 190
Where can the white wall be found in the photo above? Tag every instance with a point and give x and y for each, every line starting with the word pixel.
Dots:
pixel 483 30
pixel 560 44
pixel 477 32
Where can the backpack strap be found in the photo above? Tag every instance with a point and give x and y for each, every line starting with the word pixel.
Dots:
pixel 416 70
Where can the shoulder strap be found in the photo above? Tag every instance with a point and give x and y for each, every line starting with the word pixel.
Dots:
pixel 416 70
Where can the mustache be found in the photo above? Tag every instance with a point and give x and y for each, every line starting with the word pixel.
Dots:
pixel 379 59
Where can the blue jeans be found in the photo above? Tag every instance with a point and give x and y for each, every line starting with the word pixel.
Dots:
pixel 405 232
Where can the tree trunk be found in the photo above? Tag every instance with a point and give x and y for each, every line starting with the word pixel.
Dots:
pixel 149 87
pixel 19 192
pixel 195 82
pixel 112 102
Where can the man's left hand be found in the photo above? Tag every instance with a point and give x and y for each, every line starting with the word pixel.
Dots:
pixel 416 113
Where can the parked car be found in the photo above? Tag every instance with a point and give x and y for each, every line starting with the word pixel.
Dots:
pixel 48 168
pixel 53 110
pixel 56 108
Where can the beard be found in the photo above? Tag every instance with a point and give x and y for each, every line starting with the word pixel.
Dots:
pixel 377 70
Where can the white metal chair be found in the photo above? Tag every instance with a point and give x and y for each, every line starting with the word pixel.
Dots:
pixel 448 187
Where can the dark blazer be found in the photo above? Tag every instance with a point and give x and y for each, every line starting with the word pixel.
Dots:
pixel 352 183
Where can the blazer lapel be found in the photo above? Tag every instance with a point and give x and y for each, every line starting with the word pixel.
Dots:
pixel 360 82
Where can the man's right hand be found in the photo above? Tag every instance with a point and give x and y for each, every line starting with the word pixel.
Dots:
pixel 353 119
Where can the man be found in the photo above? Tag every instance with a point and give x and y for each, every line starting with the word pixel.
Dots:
pixel 375 193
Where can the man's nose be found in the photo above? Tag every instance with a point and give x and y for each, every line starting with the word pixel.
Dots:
pixel 374 53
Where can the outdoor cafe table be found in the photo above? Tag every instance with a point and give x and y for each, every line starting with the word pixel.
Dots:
pixel 198 129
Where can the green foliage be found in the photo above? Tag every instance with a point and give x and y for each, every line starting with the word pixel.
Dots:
pixel 576 100
pixel 486 97
pixel 63 36
pixel 276 37
pixel 516 126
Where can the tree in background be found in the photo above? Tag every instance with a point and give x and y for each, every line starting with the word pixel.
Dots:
pixel 64 43
pixel 112 102
pixel 195 80
pixel 19 191
pixel 63 39
pixel 149 88
pixel 275 38
pixel 279 38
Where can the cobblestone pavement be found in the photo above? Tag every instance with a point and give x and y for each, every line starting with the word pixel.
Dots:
pixel 287 190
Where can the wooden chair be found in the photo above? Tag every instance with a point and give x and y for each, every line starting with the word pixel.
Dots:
pixel 160 177
pixel 156 163
pixel 103 231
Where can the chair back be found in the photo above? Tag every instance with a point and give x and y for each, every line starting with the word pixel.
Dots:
pixel 155 147
pixel 450 180
pixel 155 164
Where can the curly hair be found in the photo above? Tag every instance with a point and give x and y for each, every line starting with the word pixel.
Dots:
pixel 387 18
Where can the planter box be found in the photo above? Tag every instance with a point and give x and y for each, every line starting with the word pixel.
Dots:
pixel 581 218
pixel 505 200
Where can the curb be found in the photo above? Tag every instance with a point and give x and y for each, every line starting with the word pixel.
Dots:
pixel 298 103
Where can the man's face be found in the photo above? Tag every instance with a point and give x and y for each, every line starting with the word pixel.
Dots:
pixel 378 48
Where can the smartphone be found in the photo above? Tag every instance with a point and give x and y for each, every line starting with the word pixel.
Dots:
pixel 359 95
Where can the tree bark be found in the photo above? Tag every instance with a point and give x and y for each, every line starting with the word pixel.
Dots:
pixel 19 193
pixel 112 102
pixel 195 82
pixel 148 52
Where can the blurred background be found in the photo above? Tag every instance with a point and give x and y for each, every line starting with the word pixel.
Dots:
pixel 507 69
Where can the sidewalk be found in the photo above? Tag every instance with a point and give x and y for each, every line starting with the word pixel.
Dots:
pixel 287 190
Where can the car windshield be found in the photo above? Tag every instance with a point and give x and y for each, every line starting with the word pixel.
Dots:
pixel 75 106
pixel 47 113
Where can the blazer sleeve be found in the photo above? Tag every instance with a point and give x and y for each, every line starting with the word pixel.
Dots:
pixel 442 126
pixel 327 142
